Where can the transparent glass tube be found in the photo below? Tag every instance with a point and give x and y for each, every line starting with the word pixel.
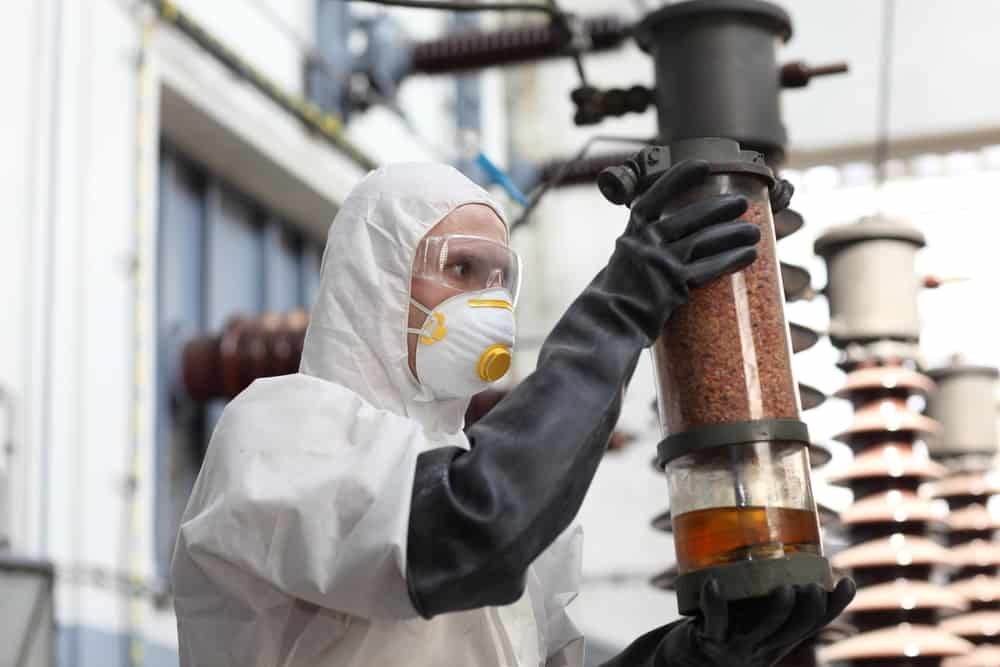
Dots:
pixel 725 356
pixel 742 502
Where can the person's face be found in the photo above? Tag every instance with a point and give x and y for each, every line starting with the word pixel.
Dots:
pixel 472 220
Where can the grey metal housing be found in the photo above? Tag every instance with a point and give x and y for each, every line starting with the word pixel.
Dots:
pixel 716 71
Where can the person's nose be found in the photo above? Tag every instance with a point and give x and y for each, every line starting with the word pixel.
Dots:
pixel 495 279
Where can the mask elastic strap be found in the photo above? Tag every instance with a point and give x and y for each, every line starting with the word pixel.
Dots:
pixel 425 310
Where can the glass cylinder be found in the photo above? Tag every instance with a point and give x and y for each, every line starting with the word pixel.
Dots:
pixel 734 450
pixel 725 356
pixel 740 503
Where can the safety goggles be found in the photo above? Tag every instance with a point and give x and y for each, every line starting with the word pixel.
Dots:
pixel 468 263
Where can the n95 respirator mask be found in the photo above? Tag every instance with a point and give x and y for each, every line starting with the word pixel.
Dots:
pixel 465 343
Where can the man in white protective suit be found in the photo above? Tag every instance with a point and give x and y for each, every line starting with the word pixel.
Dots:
pixel 342 518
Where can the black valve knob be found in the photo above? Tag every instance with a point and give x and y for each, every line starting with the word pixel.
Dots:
pixel 618 184
pixel 621 184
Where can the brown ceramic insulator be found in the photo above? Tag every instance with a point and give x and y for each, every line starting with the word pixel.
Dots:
pixel 964 490
pixel 810 397
pixel 201 368
pixel 889 558
pixel 787 222
pixel 479 49
pixel 888 416
pixel 662 522
pixel 983 656
pixel 865 384
pixel 974 517
pixel 889 512
pixel 795 281
pixel 902 601
pixel 981 591
pixel 888 465
pixel 979 627
pixel 257 348
pixel 803 337
pixel 975 557
pixel 896 645
pixel 666 580
pixel 248 348
pixel 973 522
pixel 908 594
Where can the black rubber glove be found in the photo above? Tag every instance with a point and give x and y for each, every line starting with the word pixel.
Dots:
pixel 478 519
pixel 748 633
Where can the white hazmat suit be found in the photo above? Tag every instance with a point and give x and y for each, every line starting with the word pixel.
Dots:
pixel 293 547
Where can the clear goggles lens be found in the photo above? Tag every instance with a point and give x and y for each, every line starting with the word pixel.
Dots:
pixel 468 263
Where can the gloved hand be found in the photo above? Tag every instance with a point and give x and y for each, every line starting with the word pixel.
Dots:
pixel 660 257
pixel 479 518
pixel 747 633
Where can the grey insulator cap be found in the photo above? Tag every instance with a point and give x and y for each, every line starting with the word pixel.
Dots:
pixel 872 283
pixel 965 404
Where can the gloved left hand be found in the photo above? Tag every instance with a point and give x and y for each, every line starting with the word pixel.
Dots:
pixel 748 633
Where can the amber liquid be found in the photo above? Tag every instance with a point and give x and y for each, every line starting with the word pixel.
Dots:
pixel 723 535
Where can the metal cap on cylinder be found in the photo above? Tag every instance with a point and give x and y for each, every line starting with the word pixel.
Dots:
pixel 872 283
pixel 716 70
pixel 964 403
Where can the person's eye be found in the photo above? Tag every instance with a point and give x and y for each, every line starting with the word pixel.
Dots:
pixel 459 270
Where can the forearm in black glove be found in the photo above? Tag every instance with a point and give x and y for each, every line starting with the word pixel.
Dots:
pixel 748 633
pixel 479 518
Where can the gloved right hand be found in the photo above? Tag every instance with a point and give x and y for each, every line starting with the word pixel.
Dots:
pixel 479 518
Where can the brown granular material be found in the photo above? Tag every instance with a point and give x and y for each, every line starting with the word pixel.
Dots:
pixel 725 356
